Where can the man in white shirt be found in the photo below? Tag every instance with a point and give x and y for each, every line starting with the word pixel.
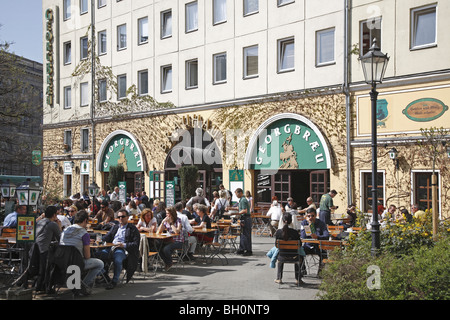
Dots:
pixel 115 194
pixel 187 228
pixel 275 216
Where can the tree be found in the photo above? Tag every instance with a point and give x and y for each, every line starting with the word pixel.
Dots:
pixel 188 183
pixel 116 174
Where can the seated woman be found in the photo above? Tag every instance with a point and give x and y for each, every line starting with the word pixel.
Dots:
pixel 172 224
pixel 203 221
pixel 147 222
pixel 287 233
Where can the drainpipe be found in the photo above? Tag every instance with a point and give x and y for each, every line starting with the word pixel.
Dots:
pixel 93 87
pixel 347 98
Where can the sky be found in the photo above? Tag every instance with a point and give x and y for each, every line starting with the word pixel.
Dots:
pixel 21 23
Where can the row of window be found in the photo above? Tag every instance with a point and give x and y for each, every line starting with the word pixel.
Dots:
pixel 84 140
pixel 286 53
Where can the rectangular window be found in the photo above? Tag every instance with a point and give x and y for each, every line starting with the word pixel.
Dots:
pixel 370 29
pixel 325 47
pixel 143 30
pixel 191 16
pixel 102 90
pixel 84 48
pixel 143 82
pixel 68 140
pixel 367 190
pixel 122 86
pixel 166 79
pixel 251 6
pixel 102 49
pixel 67 97
pixel 283 2
pixel 83 6
pixel 192 74
pixel 67 52
pixel 286 55
pixel 219 11
pixel 250 62
pixel 166 24
pixel 84 94
pixel 67 9
pixel 84 140
pixel 220 68
pixel 423 27
pixel 122 37
pixel 423 190
pixel 101 3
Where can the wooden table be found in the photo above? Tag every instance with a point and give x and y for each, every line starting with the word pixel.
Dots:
pixel 218 246
pixel 161 237
pixel 104 245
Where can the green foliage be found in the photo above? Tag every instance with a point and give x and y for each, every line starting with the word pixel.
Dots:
pixel 116 174
pixel 412 265
pixel 188 181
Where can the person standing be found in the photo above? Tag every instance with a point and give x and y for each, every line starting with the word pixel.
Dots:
pixel 326 205
pixel 245 246
pixel 76 235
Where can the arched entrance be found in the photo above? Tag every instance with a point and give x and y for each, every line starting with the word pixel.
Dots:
pixel 290 158
pixel 121 147
pixel 195 147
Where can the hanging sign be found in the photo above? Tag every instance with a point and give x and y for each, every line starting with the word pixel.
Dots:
pixel 121 150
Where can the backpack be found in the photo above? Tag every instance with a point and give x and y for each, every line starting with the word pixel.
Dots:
pixel 221 210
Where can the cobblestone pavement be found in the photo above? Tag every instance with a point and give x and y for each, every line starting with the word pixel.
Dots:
pixel 244 278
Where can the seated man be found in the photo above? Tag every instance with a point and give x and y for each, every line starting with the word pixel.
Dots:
pixel 76 235
pixel 11 219
pixel 125 236
pixel 313 228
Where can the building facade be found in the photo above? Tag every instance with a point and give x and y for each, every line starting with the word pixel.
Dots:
pixel 262 95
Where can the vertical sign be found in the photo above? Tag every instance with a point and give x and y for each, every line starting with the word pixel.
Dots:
pixel 49 37
pixel 26 228
pixel 170 193
pixel 122 191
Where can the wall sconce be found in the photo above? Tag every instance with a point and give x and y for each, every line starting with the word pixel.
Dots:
pixel 55 165
pixel 448 151
pixel 393 155
pixel 72 164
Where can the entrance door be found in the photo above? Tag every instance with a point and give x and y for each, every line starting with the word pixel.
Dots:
pixel 319 182
pixel 282 186
pixel 138 182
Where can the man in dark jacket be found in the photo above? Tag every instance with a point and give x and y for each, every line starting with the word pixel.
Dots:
pixel 126 238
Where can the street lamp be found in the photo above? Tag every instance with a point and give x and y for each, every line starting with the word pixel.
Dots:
pixel 28 193
pixel 8 189
pixel 374 65
pixel 93 191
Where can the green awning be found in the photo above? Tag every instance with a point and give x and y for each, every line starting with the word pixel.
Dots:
pixel 17 180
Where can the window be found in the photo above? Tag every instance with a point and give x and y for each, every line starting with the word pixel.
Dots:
pixel 102 49
pixel 122 37
pixel 191 16
pixel 192 74
pixel 325 47
pixel 143 30
pixel 122 86
pixel 286 55
pixel 367 190
pixel 84 48
pixel 67 97
pixel 68 140
pixel 166 79
pixel 220 68
pixel 143 82
pixel 84 94
pixel 283 2
pixel 67 9
pixel 219 11
pixel 84 140
pixel 251 6
pixel 423 27
pixel 423 189
pixel 101 3
pixel 83 6
pixel 67 52
pixel 370 29
pixel 166 24
pixel 250 62
pixel 102 90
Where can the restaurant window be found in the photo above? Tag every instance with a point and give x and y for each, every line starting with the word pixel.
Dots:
pixel 367 190
pixel 423 189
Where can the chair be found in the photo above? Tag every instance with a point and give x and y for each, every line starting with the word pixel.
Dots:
pixel 327 246
pixel 181 253
pixel 335 231
pixel 226 236
pixel 9 232
pixel 289 250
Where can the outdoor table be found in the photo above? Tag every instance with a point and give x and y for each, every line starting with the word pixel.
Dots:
pixel 161 237
pixel 103 245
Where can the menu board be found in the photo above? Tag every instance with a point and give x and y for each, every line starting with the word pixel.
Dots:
pixel 26 228
pixel 170 193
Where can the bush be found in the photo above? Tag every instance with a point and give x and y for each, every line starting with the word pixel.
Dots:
pixel 188 181
pixel 412 264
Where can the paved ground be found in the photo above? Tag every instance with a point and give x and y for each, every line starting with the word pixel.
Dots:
pixel 244 278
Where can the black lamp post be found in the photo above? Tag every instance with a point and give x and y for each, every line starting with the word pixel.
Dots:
pixel 374 65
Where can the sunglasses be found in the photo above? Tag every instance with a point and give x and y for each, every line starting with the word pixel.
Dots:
pixel 120 217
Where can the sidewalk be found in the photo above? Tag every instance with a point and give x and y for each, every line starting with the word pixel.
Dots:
pixel 244 278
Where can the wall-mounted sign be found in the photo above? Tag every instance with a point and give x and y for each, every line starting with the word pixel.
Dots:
pixel 122 191
pixel 424 110
pixel 49 37
pixel 36 157
pixel 289 143
pixel 170 193
pixel 121 150
pixel 67 167
pixel 84 169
